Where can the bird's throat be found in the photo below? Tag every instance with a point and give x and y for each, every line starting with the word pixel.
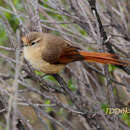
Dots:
pixel 33 57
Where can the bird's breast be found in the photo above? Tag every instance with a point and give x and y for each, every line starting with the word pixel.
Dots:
pixel 33 56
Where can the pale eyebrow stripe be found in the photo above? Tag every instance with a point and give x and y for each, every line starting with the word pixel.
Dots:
pixel 36 40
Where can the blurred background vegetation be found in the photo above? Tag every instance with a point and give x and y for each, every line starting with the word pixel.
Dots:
pixel 59 18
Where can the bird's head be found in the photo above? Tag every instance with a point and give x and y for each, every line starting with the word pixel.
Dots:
pixel 32 38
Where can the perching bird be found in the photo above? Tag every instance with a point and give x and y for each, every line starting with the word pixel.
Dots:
pixel 49 53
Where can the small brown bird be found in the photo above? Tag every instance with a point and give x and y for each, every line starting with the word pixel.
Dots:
pixel 49 53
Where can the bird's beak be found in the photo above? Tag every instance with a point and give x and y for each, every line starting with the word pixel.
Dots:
pixel 24 40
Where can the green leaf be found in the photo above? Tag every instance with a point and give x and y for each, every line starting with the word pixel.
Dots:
pixel 45 0
pixel 111 68
pixel 50 77
pixel 71 85
pixel 3 36
pixel 48 109
pixel 18 4
pixel 47 102
pixel 104 107
pixel 38 73
pixel 101 78
pixel 126 118
pixel 115 91
pixel 83 32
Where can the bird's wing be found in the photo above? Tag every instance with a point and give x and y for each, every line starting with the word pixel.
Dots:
pixel 59 51
pixel 69 54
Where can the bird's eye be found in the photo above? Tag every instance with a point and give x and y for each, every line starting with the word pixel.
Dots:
pixel 33 43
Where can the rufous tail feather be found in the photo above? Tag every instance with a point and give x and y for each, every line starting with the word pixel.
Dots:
pixel 104 58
